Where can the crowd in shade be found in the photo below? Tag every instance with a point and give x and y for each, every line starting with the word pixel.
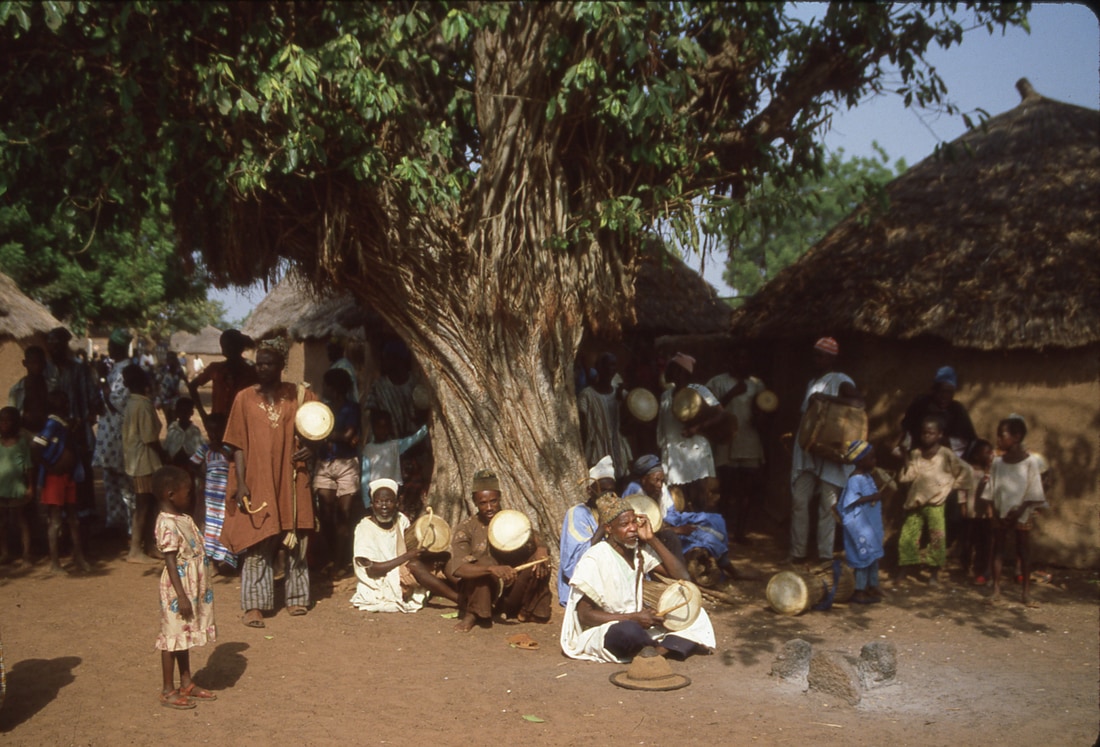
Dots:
pixel 276 481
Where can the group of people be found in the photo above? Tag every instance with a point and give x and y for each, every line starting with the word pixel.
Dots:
pixel 642 517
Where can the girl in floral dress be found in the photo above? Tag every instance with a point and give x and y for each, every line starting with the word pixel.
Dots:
pixel 186 599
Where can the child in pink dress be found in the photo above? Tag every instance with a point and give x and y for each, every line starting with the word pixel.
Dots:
pixel 186 599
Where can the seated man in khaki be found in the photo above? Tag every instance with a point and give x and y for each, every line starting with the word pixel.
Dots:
pixel 392 575
pixel 487 579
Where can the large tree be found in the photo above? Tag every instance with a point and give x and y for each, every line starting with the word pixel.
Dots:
pixel 479 173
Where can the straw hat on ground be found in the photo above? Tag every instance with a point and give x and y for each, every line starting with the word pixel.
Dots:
pixel 650 671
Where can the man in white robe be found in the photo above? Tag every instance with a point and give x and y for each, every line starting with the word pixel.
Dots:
pixel 392 577
pixel 606 619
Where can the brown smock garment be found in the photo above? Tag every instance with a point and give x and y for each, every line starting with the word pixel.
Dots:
pixel 265 433
pixel 484 596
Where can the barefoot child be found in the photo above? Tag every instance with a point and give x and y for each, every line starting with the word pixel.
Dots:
pixel 1017 489
pixel 142 454
pixel 186 599
pixel 861 514
pixel 16 483
pixel 215 470
pixel 58 473
pixel 933 471
pixel 979 512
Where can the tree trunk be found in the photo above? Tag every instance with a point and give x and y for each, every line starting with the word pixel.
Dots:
pixel 492 310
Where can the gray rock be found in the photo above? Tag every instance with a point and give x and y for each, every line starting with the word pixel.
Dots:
pixel 793 662
pixel 878 664
pixel 835 674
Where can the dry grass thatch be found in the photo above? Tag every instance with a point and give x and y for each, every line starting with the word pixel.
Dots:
pixel 293 305
pixel 20 316
pixel 206 342
pixel 671 298
pixel 991 244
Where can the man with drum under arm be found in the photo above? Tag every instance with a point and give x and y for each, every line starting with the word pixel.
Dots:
pixel 606 619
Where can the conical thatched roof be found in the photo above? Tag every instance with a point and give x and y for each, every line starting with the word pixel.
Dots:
pixel 20 316
pixel 206 342
pixel 292 305
pixel 992 244
pixel 671 298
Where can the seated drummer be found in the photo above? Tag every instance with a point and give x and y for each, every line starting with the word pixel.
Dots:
pixel 696 530
pixel 487 580
pixel 606 619
pixel 581 524
pixel 393 577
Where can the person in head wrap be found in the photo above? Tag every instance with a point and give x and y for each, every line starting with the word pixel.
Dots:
pixel 861 514
pixel 391 575
pixel 606 618
pixel 958 434
pixel 812 474
pixel 269 499
pixel 684 532
pixel 958 430
pixel 487 581
pixel 581 524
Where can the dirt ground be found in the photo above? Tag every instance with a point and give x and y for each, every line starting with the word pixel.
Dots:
pixel 82 671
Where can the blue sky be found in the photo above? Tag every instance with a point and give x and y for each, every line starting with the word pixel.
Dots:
pixel 1061 58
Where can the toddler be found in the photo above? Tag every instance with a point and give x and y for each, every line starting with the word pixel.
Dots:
pixel 861 515
pixel 186 599
pixel 933 471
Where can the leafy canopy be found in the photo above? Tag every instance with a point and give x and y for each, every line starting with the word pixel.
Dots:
pixel 350 137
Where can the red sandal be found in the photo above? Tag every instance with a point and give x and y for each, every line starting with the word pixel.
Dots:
pixel 175 699
pixel 197 693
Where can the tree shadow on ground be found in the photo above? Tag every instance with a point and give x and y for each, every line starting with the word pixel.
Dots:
pixel 32 685
pixel 225 666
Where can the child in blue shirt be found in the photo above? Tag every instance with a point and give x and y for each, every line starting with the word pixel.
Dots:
pixel 861 515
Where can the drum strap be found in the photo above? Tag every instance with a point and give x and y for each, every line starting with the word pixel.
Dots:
pixel 826 602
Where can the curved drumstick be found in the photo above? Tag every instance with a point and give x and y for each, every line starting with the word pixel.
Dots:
pixel 248 505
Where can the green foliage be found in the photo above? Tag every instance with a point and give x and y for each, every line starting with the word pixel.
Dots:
pixel 135 279
pixel 776 224
pixel 231 100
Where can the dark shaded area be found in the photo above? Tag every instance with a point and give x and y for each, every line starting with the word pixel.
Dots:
pixel 32 685
pixel 225 666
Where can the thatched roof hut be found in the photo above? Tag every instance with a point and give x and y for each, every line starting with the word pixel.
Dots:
pixel 293 305
pixel 23 321
pixel 672 299
pixel 20 316
pixel 987 258
pixel 990 244
pixel 207 341
pixel 311 319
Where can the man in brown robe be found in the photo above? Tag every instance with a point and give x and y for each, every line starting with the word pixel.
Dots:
pixel 487 579
pixel 271 500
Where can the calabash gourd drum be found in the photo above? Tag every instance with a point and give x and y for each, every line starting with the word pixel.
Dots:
pixel 681 602
pixel 829 424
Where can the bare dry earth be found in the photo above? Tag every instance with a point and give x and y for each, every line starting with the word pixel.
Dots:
pixel 82 671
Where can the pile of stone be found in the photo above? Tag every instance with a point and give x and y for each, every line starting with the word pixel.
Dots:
pixel 835 672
